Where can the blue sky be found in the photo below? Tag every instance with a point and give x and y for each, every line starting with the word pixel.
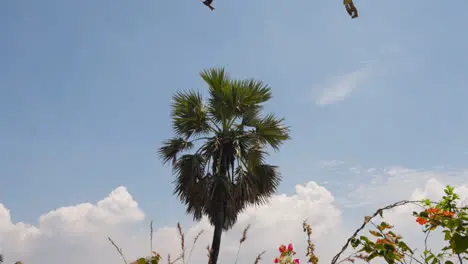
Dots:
pixel 85 88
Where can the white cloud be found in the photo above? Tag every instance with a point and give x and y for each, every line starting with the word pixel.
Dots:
pixel 78 233
pixel 402 181
pixel 68 230
pixel 338 88
pixel 331 163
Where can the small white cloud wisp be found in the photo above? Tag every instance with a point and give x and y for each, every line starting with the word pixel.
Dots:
pixel 340 87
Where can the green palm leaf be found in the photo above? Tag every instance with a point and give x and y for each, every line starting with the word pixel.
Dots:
pixel 172 147
pixel 189 116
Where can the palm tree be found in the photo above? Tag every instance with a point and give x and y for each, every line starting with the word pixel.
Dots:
pixel 227 172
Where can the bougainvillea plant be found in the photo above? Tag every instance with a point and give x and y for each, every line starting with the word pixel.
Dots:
pixel 444 215
pixel 286 255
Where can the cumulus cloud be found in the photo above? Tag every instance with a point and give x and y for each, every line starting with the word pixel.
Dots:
pixel 338 88
pixel 73 231
pixel 356 185
pixel 78 233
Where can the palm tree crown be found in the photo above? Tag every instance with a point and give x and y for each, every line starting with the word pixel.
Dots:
pixel 227 171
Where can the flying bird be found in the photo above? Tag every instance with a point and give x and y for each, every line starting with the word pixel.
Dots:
pixel 350 8
pixel 208 4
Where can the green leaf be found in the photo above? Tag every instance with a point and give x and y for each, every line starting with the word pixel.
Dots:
pixel 141 261
pixel 446 248
pixel 404 247
pixel 451 225
pixel 423 214
pixel 364 238
pixel 367 249
pixel 384 225
pixel 427 202
pixel 375 233
pixel 189 114
pixel 371 256
pixel 459 243
pixel 429 258
pixel 449 189
pixel 355 242
pixel 271 130
pixel 448 262
pixel 168 152
pixel 447 235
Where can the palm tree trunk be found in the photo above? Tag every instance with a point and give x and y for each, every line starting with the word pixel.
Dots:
pixel 218 231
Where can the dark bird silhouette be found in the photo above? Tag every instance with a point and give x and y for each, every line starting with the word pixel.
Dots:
pixel 208 4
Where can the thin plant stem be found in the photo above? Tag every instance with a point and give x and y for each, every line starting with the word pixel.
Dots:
pixel 151 238
pixel 118 250
pixel 241 241
pixel 366 221
pixel 194 243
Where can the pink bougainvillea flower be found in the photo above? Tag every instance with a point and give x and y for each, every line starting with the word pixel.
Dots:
pixel 296 261
pixel 276 260
pixel 290 247
pixel 282 248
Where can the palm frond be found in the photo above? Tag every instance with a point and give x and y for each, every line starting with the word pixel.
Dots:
pixel 189 170
pixel 189 114
pixel 257 92
pixel 250 115
pixel 246 144
pixel 245 189
pixel 249 96
pixel 172 147
pixel 199 197
pixel 221 101
pixel 257 185
pixel 216 78
pixel 268 178
pixel 255 156
pixel 270 130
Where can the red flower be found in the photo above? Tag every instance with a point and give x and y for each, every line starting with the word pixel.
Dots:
pixel 449 214
pixel 290 247
pixel 296 261
pixel 432 211
pixel 421 220
pixel 276 260
pixel 382 241
pixel 282 248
